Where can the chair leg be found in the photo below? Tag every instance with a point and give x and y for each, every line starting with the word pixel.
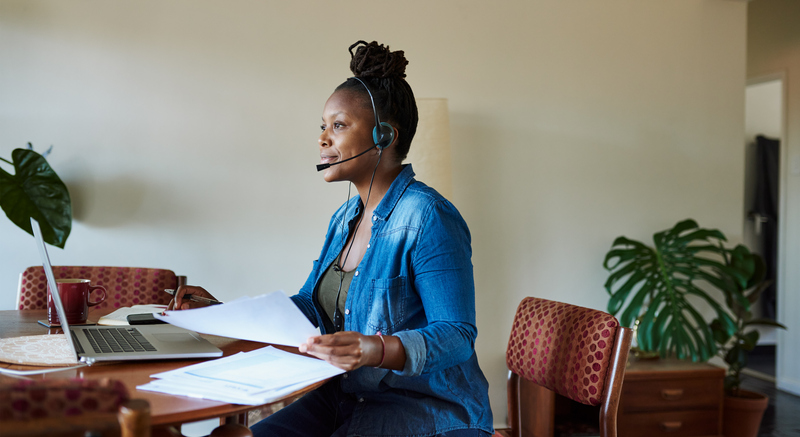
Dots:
pixel 514 420
pixel 134 418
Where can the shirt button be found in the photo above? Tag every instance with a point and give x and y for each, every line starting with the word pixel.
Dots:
pixel 368 245
pixel 347 311
pixel 360 399
pixel 345 376
pixel 356 273
pixel 374 217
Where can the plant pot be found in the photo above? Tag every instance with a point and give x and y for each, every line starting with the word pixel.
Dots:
pixel 741 416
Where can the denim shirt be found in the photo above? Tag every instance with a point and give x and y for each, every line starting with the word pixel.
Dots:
pixel 415 282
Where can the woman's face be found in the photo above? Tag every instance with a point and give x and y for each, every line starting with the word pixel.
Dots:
pixel 347 131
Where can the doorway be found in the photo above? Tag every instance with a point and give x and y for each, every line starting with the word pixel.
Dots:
pixel 764 136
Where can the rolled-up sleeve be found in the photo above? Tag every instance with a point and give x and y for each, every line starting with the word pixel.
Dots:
pixel 444 281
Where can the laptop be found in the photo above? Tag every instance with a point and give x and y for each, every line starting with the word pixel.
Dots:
pixel 123 343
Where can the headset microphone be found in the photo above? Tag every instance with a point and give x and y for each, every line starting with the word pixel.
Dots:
pixel 321 167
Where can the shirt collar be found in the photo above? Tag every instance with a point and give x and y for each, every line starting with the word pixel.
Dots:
pixel 396 190
pixel 389 201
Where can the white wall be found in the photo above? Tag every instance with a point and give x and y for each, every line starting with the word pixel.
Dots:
pixel 773 47
pixel 186 132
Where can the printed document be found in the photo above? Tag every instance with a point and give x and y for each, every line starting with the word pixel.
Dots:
pixel 269 318
pixel 247 378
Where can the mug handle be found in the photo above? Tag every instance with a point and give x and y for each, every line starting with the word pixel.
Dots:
pixel 97 287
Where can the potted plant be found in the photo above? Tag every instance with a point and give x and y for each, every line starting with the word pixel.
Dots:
pixel 743 409
pixel 652 287
pixel 34 190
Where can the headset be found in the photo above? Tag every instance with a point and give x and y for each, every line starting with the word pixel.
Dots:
pixel 382 133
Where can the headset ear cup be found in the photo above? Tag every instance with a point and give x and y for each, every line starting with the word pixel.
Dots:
pixel 383 137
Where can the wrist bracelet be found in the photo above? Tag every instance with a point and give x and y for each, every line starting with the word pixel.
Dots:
pixel 383 349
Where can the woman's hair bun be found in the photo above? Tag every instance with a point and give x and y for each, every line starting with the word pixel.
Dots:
pixel 376 60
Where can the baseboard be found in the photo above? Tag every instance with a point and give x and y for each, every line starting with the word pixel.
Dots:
pixel 792 387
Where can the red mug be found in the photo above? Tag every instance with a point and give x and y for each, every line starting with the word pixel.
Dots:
pixel 74 295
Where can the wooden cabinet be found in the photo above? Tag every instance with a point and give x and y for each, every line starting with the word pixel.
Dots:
pixel 671 398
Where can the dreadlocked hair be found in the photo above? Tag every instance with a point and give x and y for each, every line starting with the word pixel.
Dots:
pixel 384 72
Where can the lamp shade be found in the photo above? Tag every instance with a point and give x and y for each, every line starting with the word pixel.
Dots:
pixel 430 150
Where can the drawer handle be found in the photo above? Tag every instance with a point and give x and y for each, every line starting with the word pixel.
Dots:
pixel 672 394
pixel 671 426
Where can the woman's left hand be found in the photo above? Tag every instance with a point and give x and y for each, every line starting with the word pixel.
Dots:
pixel 346 350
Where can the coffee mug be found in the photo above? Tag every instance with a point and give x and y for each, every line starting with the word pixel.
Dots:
pixel 74 295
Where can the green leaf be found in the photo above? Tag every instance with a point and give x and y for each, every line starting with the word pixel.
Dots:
pixel 634 308
pixel 618 297
pixel 35 191
pixel 721 336
pixel 750 340
pixel 765 322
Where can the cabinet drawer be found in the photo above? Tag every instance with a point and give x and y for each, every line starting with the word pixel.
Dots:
pixel 670 394
pixel 670 424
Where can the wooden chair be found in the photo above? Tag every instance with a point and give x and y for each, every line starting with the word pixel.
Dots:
pixel 71 407
pixel 577 352
pixel 82 407
pixel 125 286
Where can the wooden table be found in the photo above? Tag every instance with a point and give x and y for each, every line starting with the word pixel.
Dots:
pixel 166 410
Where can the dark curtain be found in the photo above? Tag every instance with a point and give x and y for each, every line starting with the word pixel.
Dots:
pixel 765 206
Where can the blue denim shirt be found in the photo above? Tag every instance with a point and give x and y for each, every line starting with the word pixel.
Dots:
pixel 415 282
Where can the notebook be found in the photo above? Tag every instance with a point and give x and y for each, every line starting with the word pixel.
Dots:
pixel 122 343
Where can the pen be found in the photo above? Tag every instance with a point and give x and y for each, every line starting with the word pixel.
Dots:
pixel 195 298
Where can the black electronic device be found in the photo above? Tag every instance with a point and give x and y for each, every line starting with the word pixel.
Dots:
pixel 143 319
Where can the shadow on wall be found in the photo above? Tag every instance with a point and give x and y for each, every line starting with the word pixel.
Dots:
pixel 106 203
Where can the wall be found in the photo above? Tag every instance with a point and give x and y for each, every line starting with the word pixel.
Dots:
pixel 186 131
pixel 773 47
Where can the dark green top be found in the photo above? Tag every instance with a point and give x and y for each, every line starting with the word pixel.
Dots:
pixel 329 286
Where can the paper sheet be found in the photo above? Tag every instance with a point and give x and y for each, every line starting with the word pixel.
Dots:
pixel 248 378
pixel 269 318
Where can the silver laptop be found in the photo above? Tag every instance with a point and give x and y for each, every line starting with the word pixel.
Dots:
pixel 122 343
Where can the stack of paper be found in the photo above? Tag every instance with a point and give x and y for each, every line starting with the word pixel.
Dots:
pixel 248 378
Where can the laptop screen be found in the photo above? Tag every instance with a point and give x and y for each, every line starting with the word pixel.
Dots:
pixel 51 283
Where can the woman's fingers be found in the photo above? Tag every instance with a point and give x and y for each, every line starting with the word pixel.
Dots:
pixel 346 350
pixel 181 300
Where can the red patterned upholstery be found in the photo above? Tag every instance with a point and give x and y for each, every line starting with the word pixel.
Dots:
pixel 562 347
pixel 577 352
pixel 125 286
pixel 31 400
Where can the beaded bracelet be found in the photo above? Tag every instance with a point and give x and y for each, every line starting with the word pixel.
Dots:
pixel 383 349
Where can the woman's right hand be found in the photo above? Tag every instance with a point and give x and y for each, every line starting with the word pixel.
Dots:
pixel 179 303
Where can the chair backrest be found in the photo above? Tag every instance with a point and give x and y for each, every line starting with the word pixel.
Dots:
pixel 125 286
pixel 71 407
pixel 577 352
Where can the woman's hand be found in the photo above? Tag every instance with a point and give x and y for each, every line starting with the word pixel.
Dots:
pixel 347 350
pixel 179 303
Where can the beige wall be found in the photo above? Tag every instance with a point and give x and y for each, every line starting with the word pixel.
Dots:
pixel 773 48
pixel 186 131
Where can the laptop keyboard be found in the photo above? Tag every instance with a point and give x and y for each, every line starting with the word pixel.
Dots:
pixel 117 340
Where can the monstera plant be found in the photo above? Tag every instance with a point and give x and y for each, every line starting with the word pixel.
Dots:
pixel 659 287
pixel 35 191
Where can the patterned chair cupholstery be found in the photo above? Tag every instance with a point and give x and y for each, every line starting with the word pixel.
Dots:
pixel 576 352
pixel 125 286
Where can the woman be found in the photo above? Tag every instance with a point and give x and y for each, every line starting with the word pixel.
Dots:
pixel 392 291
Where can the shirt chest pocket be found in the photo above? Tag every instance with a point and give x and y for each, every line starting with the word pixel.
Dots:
pixel 388 302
